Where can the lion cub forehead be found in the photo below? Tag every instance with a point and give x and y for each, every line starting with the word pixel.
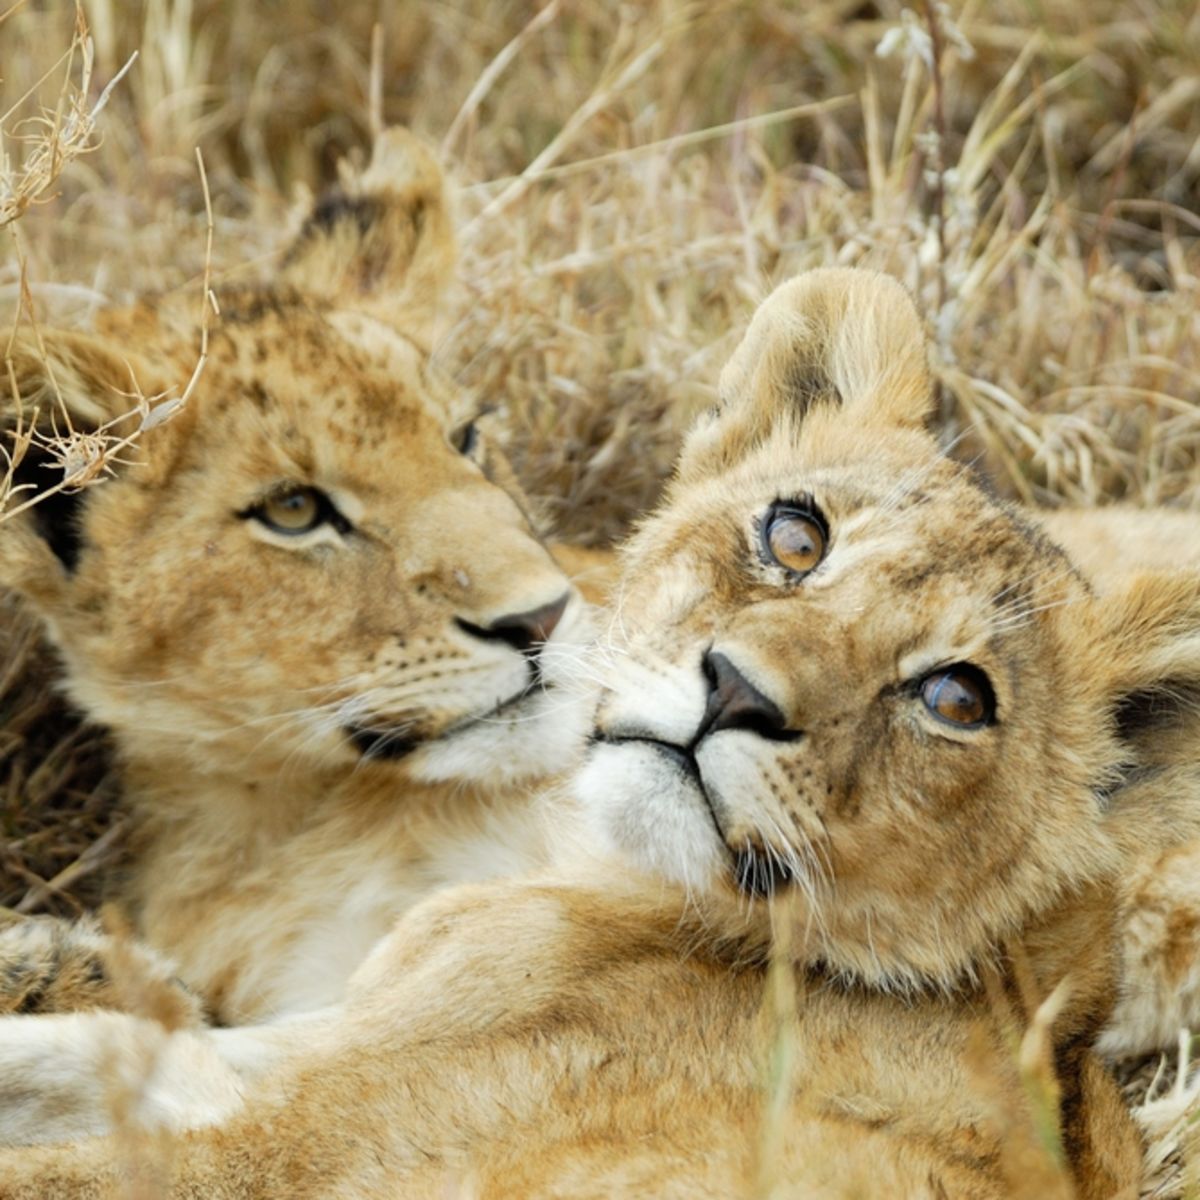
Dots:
pixel 290 394
pixel 918 528
pixel 276 352
pixel 899 533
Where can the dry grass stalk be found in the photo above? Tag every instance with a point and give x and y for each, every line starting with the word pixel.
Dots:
pixel 1033 1156
pixel 780 1032
pixel 52 138
pixel 85 456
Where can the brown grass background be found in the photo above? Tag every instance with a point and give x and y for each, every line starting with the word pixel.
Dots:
pixel 631 179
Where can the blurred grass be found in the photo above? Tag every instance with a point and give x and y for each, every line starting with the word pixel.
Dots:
pixel 598 299
pixel 1072 214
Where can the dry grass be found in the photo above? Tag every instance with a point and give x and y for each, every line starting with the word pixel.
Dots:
pixel 632 179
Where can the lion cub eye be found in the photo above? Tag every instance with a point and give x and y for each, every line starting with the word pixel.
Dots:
pixel 794 539
pixel 959 695
pixel 297 509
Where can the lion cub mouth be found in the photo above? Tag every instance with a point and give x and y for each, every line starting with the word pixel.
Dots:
pixel 390 744
pixel 384 745
pixel 756 871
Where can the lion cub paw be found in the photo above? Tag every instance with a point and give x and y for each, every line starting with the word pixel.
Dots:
pixel 50 965
pixel 1160 987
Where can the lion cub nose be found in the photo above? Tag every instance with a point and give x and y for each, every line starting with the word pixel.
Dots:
pixel 524 631
pixel 735 703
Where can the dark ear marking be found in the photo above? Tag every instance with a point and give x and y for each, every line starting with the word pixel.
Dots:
pixel 1151 711
pixel 383 236
pixel 808 386
pixel 56 518
pixel 332 210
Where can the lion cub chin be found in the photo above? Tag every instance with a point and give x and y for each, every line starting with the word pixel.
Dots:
pixel 869 761
pixel 333 653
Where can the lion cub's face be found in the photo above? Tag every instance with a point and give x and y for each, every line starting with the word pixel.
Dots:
pixel 320 561
pixel 842 674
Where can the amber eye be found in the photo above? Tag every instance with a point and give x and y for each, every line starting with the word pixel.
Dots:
pixel 959 695
pixel 295 510
pixel 794 539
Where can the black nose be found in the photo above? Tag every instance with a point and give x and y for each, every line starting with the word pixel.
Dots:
pixel 735 703
pixel 526 631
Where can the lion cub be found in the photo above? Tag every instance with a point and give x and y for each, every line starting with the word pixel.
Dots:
pixel 313 611
pixel 860 721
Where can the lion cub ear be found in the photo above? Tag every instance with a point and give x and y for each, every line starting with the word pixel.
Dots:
pixel 841 340
pixel 76 393
pixel 383 245
pixel 1143 653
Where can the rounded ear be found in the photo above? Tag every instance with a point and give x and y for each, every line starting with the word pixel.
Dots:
pixel 66 408
pixel 1152 657
pixel 73 378
pixel 1142 651
pixel 835 339
pixel 383 245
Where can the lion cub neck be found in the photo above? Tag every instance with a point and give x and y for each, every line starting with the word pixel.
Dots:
pixel 270 896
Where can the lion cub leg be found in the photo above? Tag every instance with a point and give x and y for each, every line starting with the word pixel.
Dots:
pixel 66 1076
pixel 49 965
pixel 87 1036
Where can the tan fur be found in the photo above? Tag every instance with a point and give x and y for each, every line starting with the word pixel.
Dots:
pixel 1107 544
pixel 231 662
pixel 618 1028
pixel 1160 897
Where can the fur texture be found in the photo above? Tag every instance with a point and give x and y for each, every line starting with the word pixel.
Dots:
pixel 814 935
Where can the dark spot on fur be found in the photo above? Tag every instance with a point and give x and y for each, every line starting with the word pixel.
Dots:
pixel 32 999
pixel 252 305
pixel 256 392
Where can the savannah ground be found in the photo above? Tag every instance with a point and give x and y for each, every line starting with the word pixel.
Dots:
pixel 631 179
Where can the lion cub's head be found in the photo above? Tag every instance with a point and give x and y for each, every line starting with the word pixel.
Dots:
pixel 842 672
pixel 320 560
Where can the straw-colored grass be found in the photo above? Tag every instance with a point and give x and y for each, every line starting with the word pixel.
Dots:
pixel 632 179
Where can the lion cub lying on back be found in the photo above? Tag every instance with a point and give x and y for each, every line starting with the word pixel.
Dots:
pixel 313 613
pixel 859 712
